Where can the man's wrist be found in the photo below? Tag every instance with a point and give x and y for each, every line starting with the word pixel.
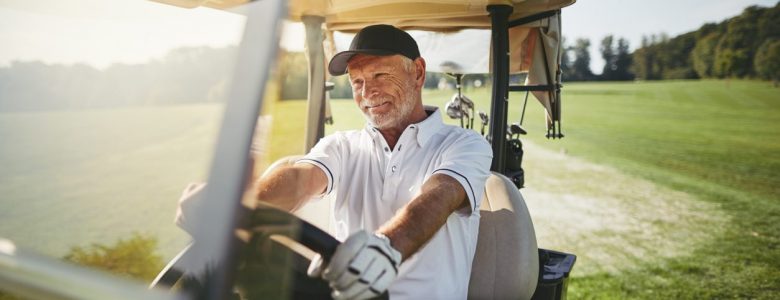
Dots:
pixel 383 237
pixel 395 253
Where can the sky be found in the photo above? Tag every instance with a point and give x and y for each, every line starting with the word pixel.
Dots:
pixel 101 32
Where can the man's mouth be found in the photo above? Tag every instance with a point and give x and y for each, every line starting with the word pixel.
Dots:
pixel 376 106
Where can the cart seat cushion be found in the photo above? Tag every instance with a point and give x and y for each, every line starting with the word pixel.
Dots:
pixel 506 263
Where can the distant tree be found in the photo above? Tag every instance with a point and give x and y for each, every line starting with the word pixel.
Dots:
pixel 293 75
pixel 134 257
pixel 432 80
pixel 736 48
pixel 661 57
pixel 645 63
pixel 623 61
pixel 768 25
pixel 703 55
pixel 581 65
pixel 565 65
pixel 660 38
pixel 608 54
pixel 767 62
pixel 675 57
pixel 617 59
pixel 730 63
pixel 639 65
pixel 657 56
pixel 709 28
pixel 342 89
pixel 566 62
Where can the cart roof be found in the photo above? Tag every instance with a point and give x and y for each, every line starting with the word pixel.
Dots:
pixel 431 15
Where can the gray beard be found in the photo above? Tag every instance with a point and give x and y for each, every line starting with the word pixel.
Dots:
pixel 394 119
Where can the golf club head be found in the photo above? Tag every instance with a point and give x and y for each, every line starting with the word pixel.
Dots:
pixel 465 101
pixel 484 117
pixel 465 113
pixel 453 110
pixel 516 129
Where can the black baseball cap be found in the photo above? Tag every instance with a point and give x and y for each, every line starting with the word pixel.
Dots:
pixel 375 40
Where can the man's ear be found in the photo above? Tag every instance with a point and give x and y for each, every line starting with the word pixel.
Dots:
pixel 419 75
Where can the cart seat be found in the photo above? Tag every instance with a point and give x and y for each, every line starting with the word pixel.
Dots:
pixel 506 263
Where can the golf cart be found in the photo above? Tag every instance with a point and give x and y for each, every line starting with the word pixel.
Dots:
pixel 258 253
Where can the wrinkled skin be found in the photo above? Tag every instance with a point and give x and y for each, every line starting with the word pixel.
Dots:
pixel 387 92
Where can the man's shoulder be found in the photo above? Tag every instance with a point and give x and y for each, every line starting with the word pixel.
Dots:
pixel 455 137
pixel 457 132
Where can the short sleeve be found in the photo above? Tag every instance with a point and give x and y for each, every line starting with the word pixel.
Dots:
pixel 468 161
pixel 326 155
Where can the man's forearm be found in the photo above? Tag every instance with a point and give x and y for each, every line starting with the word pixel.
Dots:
pixel 418 221
pixel 288 187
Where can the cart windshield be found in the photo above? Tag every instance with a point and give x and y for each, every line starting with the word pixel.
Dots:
pixel 108 109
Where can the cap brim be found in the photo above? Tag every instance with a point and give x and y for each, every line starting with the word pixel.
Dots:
pixel 338 64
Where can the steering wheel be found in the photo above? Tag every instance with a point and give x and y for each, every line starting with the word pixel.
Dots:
pixel 270 264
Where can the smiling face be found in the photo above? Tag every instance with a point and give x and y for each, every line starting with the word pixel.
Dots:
pixel 387 89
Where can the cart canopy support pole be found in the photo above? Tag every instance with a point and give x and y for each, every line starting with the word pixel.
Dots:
pixel 315 54
pixel 499 16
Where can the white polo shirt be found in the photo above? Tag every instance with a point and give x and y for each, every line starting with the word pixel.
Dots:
pixel 370 182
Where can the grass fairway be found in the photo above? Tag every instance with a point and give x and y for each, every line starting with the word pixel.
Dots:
pixel 698 165
pixel 72 178
pixel 716 140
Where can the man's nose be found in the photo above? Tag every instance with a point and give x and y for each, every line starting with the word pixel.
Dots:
pixel 370 89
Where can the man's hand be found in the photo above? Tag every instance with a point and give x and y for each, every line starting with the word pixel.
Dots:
pixel 363 267
pixel 190 202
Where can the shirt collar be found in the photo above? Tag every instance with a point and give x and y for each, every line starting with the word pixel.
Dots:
pixel 428 127
pixel 423 130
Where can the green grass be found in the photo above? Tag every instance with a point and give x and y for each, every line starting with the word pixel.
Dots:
pixel 71 178
pixel 718 141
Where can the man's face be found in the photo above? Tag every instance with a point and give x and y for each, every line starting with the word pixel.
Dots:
pixel 384 89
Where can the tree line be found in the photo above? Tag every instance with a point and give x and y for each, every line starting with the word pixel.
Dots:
pixel 184 75
pixel 745 46
pixel 617 60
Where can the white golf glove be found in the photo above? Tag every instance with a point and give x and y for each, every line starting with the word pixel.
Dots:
pixel 363 267
pixel 190 202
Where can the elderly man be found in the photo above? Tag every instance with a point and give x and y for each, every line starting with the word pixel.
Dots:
pixel 407 187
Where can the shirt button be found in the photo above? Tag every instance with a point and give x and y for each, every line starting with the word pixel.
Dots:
pixel 393 169
pixel 387 149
